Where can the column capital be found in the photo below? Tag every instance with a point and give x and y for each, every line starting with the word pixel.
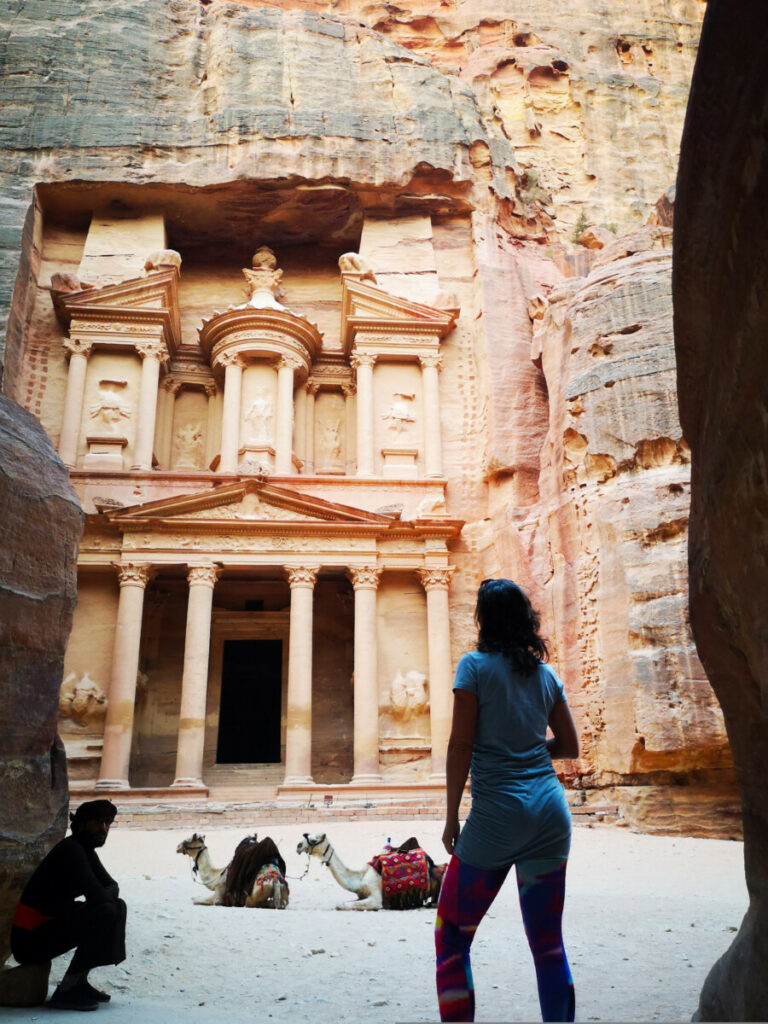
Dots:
pixel 436 579
pixel 358 359
pixel 312 387
pixel 78 346
pixel 230 359
pixel 289 362
pixel 152 350
pixel 433 359
pixel 364 577
pixel 349 389
pixel 211 390
pixel 171 384
pixel 203 575
pixel 302 575
pixel 131 574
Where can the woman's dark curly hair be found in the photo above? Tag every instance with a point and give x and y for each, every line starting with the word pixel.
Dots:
pixel 508 625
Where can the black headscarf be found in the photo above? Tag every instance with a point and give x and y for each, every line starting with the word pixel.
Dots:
pixel 93 810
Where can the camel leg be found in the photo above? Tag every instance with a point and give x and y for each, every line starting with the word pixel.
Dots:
pixel 372 902
pixel 209 902
pixel 280 896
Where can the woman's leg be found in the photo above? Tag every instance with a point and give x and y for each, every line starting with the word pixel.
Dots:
pixel 466 894
pixel 541 887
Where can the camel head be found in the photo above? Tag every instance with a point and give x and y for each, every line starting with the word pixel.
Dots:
pixel 191 846
pixel 312 844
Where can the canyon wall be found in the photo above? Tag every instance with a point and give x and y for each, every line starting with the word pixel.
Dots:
pixel 721 320
pixel 538 154
pixel 39 534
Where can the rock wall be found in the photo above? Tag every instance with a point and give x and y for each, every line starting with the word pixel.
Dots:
pixel 721 321
pixel 39 535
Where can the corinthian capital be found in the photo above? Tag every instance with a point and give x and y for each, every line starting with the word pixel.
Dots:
pixel 365 577
pixel 152 350
pixel 130 574
pixel 301 575
pixel 433 579
pixel 230 359
pixel 431 359
pixel 358 359
pixel 203 575
pixel 78 346
pixel 290 362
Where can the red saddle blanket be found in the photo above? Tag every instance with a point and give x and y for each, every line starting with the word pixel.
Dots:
pixel 404 877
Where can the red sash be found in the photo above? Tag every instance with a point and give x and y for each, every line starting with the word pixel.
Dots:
pixel 28 918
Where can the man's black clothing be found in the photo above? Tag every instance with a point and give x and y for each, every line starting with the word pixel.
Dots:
pixel 50 919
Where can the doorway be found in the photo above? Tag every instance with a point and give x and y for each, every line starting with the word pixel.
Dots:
pixel 250 702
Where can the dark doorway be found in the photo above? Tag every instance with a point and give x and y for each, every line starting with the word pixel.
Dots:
pixel 249 711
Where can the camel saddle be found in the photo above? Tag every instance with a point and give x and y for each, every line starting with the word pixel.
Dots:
pixel 405 873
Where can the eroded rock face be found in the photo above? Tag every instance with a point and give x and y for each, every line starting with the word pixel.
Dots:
pixel 602 542
pixel 721 323
pixel 39 534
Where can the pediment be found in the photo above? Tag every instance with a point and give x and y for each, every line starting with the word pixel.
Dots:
pixel 367 307
pixel 152 299
pixel 245 503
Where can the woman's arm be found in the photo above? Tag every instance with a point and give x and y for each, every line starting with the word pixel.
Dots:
pixel 564 742
pixel 457 764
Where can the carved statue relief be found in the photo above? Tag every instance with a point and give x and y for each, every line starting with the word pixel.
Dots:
pixel 400 414
pixel 408 695
pixel 110 408
pixel 330 439
pixel 258 418
pixel 188 447
pixel 82 701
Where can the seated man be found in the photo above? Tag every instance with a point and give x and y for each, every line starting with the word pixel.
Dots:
pixel 49 918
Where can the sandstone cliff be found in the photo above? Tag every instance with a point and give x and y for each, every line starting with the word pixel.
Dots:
pixel 721 320
pixel 39 535
pixel 510 131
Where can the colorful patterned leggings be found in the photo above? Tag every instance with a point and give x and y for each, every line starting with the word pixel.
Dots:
pixel 465 897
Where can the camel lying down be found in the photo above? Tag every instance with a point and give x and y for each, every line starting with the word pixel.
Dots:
pixel 255 877
pixel 369 883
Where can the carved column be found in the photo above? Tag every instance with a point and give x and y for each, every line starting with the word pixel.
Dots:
pixel 118 728
pixel 366 711
pixel 433 456
pixel 284 426
pixel 349 417
pixel 169 388
pixel 211 427
pixel 309 437
pixel 194 681
pixel 79 351
pixel 298 739
pixel 436 583
pixel 153 353
pixel 230 415
pixel 363 364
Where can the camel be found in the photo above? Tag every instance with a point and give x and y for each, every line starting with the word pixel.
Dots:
pixel 367 882
pixel 255 877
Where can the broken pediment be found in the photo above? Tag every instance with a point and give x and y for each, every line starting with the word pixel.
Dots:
pixel 150 301
pixel 367 309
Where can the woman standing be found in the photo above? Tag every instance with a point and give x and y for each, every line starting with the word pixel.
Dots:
pixel 505 696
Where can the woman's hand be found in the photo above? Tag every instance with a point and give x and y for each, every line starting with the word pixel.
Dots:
pixel 451 834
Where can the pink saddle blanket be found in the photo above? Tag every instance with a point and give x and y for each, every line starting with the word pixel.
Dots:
pixel 403 875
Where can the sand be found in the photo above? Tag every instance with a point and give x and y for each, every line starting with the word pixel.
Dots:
pixel 645 919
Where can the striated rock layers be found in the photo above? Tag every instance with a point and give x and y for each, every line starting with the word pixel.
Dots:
pixel 39 535
pixel 721 322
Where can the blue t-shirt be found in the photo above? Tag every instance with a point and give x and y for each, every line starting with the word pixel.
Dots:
pixel 519 811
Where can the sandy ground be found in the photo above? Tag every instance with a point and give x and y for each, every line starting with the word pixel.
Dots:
pixel 645 919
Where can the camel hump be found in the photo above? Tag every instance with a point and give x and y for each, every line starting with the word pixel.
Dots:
pixel 249 859
pixel 409 844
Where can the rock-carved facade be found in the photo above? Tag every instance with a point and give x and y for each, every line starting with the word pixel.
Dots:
pixel 240 530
